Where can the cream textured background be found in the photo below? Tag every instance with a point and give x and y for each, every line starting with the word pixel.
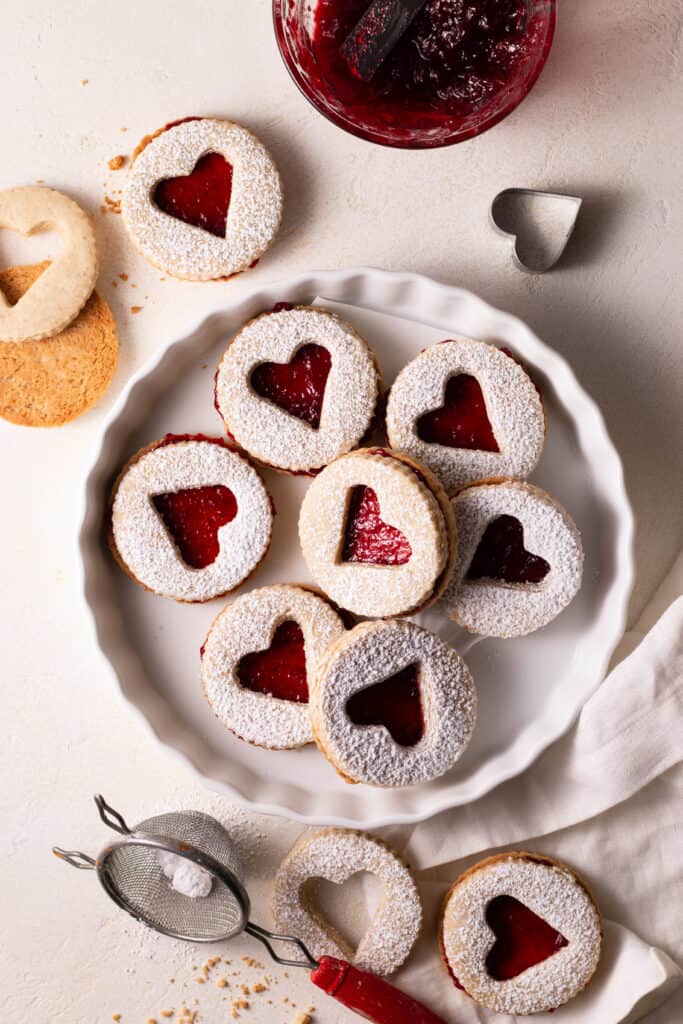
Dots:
pixel 604 120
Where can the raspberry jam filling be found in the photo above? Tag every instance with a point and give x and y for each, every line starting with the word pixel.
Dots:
pixel 456 58
pixel 201 198
pixel 280 670
pixel 462 421
pixel 501 555
pixel 394 703
pixel 522 938
pixel 366 537
pixel 298 386
pixel 193 518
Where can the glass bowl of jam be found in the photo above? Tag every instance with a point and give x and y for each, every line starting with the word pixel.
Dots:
pixel 461 66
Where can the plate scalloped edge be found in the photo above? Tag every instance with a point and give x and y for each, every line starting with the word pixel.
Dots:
pixel 401 294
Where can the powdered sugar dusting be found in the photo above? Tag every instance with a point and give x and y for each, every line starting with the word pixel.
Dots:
pixel 512 404
pixel 255 204
pixel 552 892
pixel 143 542
pixel 496 608
pixel 336 855
pixel 370 653
pixel 246 626
pixel 405 502
pixel 273 435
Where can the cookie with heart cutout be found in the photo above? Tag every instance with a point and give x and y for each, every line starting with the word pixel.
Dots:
pixel 61 290
pixel 520 559
pixel 257 659
pixel 469 411
pixel 377 533
pixel 336 855
pixel 297 387
pixel 50 382
pixel 203 199
pixel 392 705
pixel 520 933
pixel 189 518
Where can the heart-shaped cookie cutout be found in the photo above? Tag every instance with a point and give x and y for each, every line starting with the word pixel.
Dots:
pixel 539 223
pixel 298 386
pixel 394 703
pixel 522 938
pixel 462 421
pixel 279 670
pixel 344 909
pixel 367 538
pixel 200 198
pixel 501 555
pixel 193 518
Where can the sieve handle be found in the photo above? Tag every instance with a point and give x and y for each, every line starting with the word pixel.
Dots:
pixel 369 996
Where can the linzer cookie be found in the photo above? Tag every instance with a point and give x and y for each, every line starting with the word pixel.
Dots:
pixel 60 291
pixel 296 388
pixel 257 660
pixel 468 411
pixel 50 382
pixel 190 518
pixel 520 559
pixel 377 533
pixel 520 933
pixel 203 199
pixel 336 855
pixel 392 705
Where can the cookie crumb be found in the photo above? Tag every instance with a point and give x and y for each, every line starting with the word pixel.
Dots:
pixel 116 162
pixel 306 1017
pixel 165 1013
pixel 222 983
pixel 124 277
pixel 84 81
pixel 259 987
pixel 116 1016
pixel 135 309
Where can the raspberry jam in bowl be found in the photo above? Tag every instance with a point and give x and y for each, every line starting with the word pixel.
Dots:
pixel 460 67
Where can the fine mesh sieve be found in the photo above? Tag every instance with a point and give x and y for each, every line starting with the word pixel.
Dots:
pixel 131 870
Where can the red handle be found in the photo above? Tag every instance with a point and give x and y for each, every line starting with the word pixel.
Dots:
pixel 371 997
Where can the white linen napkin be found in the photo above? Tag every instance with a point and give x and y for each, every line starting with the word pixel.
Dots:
pixel 610 786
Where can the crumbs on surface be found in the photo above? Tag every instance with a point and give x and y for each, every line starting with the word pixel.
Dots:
pixel 110 205
pixel 135 309
pixel 117 162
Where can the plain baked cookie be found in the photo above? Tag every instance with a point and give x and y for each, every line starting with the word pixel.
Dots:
pixel 520 933
pixel 520 560
pixel 257 659
pixel 203 199
pixel 378 534
pixel 50 382
pixel 392 705
pixel 65 285
pixel 468 411
pixel 297 387
pixel 336 855
pixel 190 518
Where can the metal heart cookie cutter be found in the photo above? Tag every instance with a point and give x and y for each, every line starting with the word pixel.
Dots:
pixel 540 225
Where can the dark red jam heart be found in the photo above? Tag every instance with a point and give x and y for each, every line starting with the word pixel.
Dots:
pixel 201 198
pixel 367 538
pixel 462 421
pixel 394 703
pixel 501 555
pixel 279 671
pixel 298 387
pixel 522 938
pixel 193 519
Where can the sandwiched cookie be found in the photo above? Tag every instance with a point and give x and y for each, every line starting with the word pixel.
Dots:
pixel 392 705
pixel 190 518
pixel 297 387
pixel 258 657
pixel 377 533
pixel 520 933
pixel 520 560
pixel 469 411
